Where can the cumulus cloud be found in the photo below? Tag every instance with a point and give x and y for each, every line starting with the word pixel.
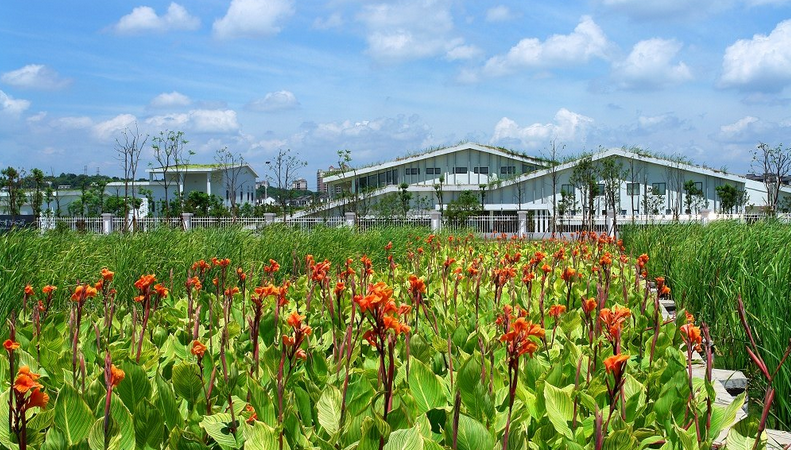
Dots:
pixel 109 130
pixel 198 121
pixel 253 18
pixel 12 107
pixel 409 29
pixel 35 76
pixel 650 66
pixel 762 63
pixel 748 129
pixel 274 101
pixel 170 99
pixel 143 19
pixel 567 126
pixel 587 41
pixel 499 13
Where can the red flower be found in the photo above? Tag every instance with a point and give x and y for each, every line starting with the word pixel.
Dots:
pixel 614 364
pixel 117 375
pixel 556 310
pixel 198 349
pixel 10 345
pixel 29 290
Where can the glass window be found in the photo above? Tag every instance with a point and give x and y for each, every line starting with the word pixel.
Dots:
pixel 567 188
pixel 432 171
pixel 632 188
pixel 658 188
pixel 699 186
pixel 600 189
pixel 482 170
pixel 459 170
pixel 507 170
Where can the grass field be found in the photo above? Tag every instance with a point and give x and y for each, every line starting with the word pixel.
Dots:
pixel 708 267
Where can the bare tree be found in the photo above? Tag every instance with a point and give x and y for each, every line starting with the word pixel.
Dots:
pixel 635 170
pixel 128 149
pixel 232 166
pixel 774 164
pixel 675 179
pixel 551 155
pixel 584 178
pixel 612 174
pixel 169 153
pixel 284 170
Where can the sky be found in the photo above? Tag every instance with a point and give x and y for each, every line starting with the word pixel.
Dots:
pixel 705 79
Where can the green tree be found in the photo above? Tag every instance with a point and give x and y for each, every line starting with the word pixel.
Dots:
pixel 15 196
pixel 774 164
pixel 567 204
pixel 37 196
pixel 584 177
pixel 612 175
pixel 169 153
pixel 731 198
pixel 692 197
pixel 463 207
pixel 405 197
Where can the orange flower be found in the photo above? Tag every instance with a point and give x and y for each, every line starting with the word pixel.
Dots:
pixel 605 260
pixel 10 345
pixel 556 310
pixel 690 318
pixel 288 341
pixel 665 291
pixel 198 349
pixel 691 335
pixel 615 364
pixel 253 415
pixel 161 290
pixel 48 289
pixel 589 305
pixel 83 292
pixel 29 290
pixel 295 319
pixel 416 285
pixel 370 336
pixel 231 291
pixel 660 281
pixel 389 245
pixel 221 262
pixel 26 380
pixel 37 399
pixel 116 375
pixel 300 354
pixel 145 281
pixel 339 288
pixel 568 274
pixel 107 275
pixel 546 268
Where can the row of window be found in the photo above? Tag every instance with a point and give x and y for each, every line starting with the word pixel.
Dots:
pixel 250 196
pixel 632 188
pixel 483 170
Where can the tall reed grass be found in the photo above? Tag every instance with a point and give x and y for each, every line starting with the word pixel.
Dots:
pixel 63 259
pixel 708 267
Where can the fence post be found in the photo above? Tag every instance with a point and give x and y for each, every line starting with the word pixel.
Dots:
pixel 610 223
pixel 522 215
pixel 436 220
pixel 186 221
pixel 351 219
pixel 705 216
pixel 107 223
pixel 269 218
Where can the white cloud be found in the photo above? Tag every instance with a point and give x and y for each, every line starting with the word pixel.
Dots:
pixel 198 121
pixel 567 126
pixel 71 123
pixel 110 129
pixel 587 41
pixel 409 29
pixel 274 101
pixel 171 99
pixel 650 66
pixel 748 129
pixel 253 18
pixel 762 63
pixel 463 52
pixel 143 19
pixel 12 107
pixel 653 124
pixel 35 76
pixel 335 20
pixel 499 13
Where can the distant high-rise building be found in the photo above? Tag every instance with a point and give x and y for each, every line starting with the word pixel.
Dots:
pixel 300 184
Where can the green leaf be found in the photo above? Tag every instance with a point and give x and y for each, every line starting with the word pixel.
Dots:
pixel 260 436
pixel 126 426
pixel 5 435
pixel 55 441
pixel 473 435
pixel 166 400
pixel 688 438
pixel 560 409
pixel 134 387
pixel 186 380
pixel 329 409
pixel 148 426
pixel 620 440
pixel 217 427
pixel 425 387
pixel 72 415
pixel 742 435
pixel 722 418
pixel 409 439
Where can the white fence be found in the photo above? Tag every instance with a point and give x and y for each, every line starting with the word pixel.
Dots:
pixel 537 222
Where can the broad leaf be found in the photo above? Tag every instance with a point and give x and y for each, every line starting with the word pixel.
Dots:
pixel 329 410
pixel 186 380
pixel 72 416
pixel 217 426
pixel 425 387
pixel 409 439
pixel 560 409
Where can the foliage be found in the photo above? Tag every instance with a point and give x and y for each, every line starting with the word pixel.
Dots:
pixel 462 208
pixel 443 347
pixel 731 198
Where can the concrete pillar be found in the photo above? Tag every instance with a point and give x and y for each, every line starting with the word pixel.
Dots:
pixel 522 215
pixel 107 223
pixel 269 218
pixel 351 219
pixel 705 216
pixel 186 221
pixel 436 220
pixel 610 223
pixel 208 183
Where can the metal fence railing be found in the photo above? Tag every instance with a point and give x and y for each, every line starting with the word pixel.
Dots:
pixel 370 223
pixel 484 224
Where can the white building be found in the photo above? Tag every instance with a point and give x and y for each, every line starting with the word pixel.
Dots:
pixel 511 182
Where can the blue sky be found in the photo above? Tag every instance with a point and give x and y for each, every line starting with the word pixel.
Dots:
pixel 704 79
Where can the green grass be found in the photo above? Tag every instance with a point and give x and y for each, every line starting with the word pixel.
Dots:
pixel 63 259
pixel 708 267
